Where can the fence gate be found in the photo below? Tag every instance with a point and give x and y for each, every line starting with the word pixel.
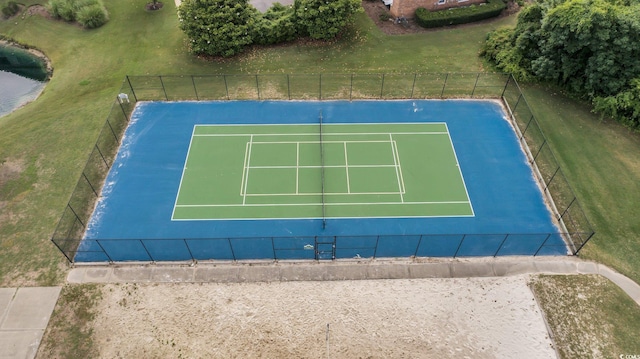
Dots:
pixel 325 248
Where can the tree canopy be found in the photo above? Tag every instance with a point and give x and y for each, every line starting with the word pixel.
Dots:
pixel 590 47
pixel 226 27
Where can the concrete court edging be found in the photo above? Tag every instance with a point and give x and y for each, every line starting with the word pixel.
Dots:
pixel 235 272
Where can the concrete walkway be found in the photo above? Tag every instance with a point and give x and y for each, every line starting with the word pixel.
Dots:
pixel 24 315
pixel 345 270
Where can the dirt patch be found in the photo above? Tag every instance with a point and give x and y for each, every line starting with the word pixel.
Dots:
pixel 439 318
pixel 38 10
pixel 383 19
pixel 10 169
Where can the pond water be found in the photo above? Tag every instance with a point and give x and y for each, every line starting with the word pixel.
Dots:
pixel 21 78
pixel 16 91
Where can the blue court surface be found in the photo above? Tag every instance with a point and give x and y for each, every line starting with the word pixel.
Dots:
pixel 134 218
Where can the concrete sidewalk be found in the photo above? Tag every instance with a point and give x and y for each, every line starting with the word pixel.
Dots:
pixel 24 315
pixel 231 272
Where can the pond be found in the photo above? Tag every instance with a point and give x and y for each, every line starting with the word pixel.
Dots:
pixel 22 77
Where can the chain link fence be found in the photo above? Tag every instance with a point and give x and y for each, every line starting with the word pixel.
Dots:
pixel 575 227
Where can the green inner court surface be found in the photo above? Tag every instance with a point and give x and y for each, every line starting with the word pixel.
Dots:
pixel 277 172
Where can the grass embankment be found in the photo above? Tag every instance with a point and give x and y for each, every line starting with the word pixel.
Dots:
pixel 590 316
pixel 602 162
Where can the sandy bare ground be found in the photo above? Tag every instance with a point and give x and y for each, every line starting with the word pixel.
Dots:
pixel 402 318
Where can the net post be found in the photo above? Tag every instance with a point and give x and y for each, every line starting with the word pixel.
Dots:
pixel 163 89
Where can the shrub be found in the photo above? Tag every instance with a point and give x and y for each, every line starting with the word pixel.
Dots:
pixel 456 16
pixel 218 27
pixel 92 16
pixel 10 9
pixel 62 9
pixel 88 13
pixel 276 25
pixel 322 19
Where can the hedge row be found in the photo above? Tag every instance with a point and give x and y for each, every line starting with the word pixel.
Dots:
pixel 456 16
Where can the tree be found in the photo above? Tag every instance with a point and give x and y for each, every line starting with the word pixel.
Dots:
pixel 324 19
pixel 217 27
pixel 590 47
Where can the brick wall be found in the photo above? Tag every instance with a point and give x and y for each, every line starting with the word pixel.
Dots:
pixel 407 8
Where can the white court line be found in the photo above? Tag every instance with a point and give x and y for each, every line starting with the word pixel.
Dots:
pixel 316 124
pixel 246 182
pixel 319 194
pixel 313 134
pixel 184 170
pixel 244 167
pixel 329 166
pixel 328 217
pixel 346 167
pixel 395 161
pixel 316 204
pixel 297 166
pixel 403 189
pixel 315 142
pixel 460 171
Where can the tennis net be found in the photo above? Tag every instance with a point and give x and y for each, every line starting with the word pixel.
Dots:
pixel 324 217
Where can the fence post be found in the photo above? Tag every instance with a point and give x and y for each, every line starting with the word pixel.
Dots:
pixel 288 87
pixel 112 131
pixel 566 209
pixel 189 250
pixel 382 87
pixel 526 127
pixel 163 89
pixel 195 89
pixel 90 185
pixel 506 85
pixel 320 88
pixel 474 85
pixel 542 245
pixel 459 245
pixel 583 243
pixel 101 155
pixel 258 87
pixel 273 248
pixel 233 253
pixel 415 74
pixel 351 89
pixel 415 253
pixel 63 252
pixel 146 250
pixel 226 87
pixel 551 179
pixel 104 251
pixel 131 87
pixel 444 84
pixel 75 214
pixel 516 106
pixel 540 149
pixel 375 250
pixel 501 244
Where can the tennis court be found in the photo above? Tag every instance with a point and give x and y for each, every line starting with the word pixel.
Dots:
pixel 319 179
pixel 288 171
